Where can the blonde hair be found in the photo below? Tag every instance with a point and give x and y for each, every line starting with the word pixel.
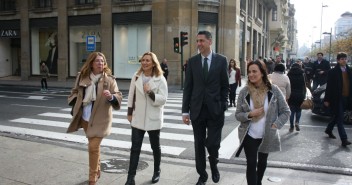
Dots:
pixel 87 67
pixel 156 71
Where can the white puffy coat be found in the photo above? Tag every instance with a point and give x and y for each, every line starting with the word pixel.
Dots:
pixel 148 114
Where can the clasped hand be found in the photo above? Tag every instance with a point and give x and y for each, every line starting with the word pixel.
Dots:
pixel 107 94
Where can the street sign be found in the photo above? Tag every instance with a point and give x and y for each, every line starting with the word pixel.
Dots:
pixel 90 43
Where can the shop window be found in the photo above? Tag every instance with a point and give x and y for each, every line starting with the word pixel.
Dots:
pixel 44 49
pixel 130 42
pixel 7 5
pixel 42 3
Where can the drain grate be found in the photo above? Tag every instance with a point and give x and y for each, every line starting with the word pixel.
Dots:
pixel 120 165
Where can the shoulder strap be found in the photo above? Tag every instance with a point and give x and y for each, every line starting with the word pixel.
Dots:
pixel 134 95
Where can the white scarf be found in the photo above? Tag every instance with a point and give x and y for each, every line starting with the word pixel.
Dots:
pixel 91 91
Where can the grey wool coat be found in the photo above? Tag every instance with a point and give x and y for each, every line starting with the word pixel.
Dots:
pixel 278 113
pixel 101 118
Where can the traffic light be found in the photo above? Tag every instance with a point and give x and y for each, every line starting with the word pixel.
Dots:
pixel 176 45
pixel 184 38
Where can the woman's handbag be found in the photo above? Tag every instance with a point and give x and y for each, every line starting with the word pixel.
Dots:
pixel 307 102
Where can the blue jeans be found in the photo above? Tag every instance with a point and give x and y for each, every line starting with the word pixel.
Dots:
pixel 338 119
pixel 295 111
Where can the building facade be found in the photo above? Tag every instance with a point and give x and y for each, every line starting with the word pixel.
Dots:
pixel 343 25
pixel 63 32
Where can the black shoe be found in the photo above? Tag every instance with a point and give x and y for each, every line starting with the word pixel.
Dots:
pixel 200 181
pixel 156 177
pixel 291 129
pixel 130 180
pixel 345 142
pixel 297 127
pixel 215 174
pixel 230 105
pixel 330 134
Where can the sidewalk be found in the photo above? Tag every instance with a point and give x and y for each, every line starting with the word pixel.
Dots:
pixel 26 162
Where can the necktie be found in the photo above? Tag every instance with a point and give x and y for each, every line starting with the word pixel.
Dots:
pixel 205 68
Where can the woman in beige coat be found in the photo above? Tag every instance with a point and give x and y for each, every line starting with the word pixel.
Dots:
pixel 146 99
pixel 94 96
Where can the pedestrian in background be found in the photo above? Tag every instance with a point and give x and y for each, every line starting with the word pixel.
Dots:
pixel 165 68
pixel 146 99
pixel 204 102
pixel 270 65
pixel 44 72
pixel 338 96
pixel 308 70
pixel 279 78
pixel 184 67
pixel 298 94
pixel 234 80
pixel 320 70
pixel 94 96
pixel 262 111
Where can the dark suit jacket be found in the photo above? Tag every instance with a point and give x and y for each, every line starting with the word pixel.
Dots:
pixel 333 91
pixel 323 66
pixel 213 91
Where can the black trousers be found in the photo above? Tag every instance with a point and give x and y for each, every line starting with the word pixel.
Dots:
pixel 256 161
pixel 137 140
pixel 207 133
pixel 44 83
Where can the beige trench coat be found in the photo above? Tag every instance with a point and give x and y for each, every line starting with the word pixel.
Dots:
pixel 101 117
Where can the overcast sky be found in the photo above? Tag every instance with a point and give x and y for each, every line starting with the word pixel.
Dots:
pixel 308 16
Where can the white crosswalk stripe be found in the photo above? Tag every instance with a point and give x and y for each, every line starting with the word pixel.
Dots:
pixel 175 136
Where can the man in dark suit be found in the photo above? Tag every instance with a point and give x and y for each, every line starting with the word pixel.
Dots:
pixel 204 102
pixel 320 70
pixel 338 95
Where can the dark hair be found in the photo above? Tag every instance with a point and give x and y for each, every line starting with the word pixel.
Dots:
pixel 341 55
pixel 320 53
pixel 295 65
pixel 206 33
pixel 279 67
pixel 262 68
pixel 234 66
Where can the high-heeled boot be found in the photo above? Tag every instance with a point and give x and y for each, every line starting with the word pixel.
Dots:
pixel 157 159
pixel 134 158
pixel 130 180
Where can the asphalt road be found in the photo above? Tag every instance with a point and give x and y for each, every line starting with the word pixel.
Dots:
pixel 29 114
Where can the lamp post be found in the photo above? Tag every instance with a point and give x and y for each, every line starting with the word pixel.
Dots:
pixel 330 34
pixel 321 21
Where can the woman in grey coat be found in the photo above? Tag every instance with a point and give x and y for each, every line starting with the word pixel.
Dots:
pixel 262 111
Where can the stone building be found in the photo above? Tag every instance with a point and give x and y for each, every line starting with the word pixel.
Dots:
pixel 63 32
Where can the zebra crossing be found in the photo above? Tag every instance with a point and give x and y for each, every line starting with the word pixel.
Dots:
pixel 175 136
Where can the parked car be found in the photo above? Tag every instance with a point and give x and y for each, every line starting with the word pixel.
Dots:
pixel 320 109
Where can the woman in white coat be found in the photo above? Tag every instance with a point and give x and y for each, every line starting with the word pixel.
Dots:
pixel 146 99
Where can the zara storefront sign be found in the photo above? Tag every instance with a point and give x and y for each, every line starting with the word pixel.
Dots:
pixel 10 33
